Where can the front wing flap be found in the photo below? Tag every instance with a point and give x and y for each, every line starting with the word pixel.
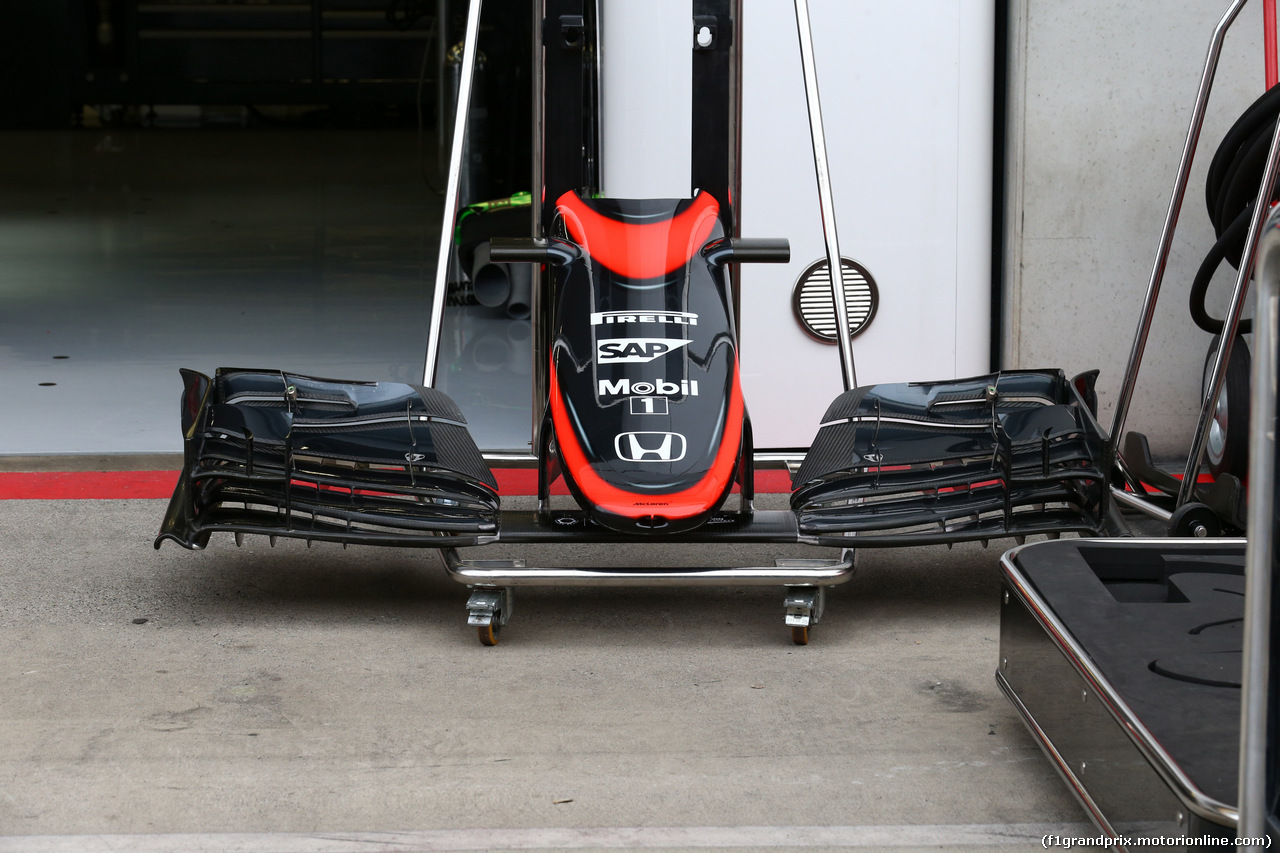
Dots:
pixel 284 455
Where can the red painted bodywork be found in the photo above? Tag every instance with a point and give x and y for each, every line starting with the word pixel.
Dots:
pixel 647 250
pixel 698 499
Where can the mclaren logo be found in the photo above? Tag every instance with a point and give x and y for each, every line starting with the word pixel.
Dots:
pixel 650 446
pixel 414 457
pixel 635 350
pixel 677 318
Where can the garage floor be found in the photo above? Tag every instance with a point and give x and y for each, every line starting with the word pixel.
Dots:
pixel 326 700
pixel 125 255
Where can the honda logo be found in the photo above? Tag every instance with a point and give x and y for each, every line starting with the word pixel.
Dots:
pixel 650 446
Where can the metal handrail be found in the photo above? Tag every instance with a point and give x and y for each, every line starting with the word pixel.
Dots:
pixel 1256 665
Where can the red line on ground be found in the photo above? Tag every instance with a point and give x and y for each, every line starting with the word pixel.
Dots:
pixel 155 485
pixel 523 481
pixel 87 485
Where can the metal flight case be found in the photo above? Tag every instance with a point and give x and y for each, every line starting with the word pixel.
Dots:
pixel 1147 669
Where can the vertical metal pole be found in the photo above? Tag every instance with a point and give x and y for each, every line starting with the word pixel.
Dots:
pixel 317 45
pixel 736 59
pixel 1256 665
pixel 735 134
pixel 824 194
pixel 537 304
pixel 442 74
pixel 1170 223
pixel 1231 322
pixel 469 49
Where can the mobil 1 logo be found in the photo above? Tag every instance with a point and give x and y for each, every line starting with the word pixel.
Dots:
pixel 657 388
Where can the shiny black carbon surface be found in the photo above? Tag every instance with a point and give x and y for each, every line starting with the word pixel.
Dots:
pixel 1003 454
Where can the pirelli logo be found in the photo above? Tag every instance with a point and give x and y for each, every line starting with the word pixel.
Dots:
pixel 671 318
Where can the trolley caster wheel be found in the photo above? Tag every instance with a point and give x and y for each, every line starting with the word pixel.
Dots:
pixel 488 610
pixel 804 606
pixel 1194 520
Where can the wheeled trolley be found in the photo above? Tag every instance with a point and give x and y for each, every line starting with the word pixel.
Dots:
pixel 638 399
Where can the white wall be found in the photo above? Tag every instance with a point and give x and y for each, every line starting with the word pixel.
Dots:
pixel 1100 101
pixel 906 94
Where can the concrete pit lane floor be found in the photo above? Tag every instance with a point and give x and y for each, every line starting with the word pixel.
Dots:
pixel 325 699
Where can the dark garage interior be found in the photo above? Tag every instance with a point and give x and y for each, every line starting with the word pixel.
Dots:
pixel 199 184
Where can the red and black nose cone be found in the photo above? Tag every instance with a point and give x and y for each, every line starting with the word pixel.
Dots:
pixel 644 394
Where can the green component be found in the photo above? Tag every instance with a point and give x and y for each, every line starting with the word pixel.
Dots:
pixel 520 199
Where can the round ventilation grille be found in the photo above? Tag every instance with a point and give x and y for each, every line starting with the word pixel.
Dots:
pixel 816 310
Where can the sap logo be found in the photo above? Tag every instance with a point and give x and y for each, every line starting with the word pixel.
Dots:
pixel 650 446
pixel 678 318
pixel 634 350
pixel 659 387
